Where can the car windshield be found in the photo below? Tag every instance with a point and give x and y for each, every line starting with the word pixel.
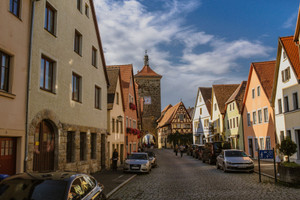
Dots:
pixel 33 189
pixel 138 156
pixel 235 154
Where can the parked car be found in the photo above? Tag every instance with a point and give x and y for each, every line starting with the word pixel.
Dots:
pixel 3 176
pixel 234 160
pixel 152 158
pixel 211 151
pixel 51 186
pixel 137 162
pixel 200 151
pixel 190 150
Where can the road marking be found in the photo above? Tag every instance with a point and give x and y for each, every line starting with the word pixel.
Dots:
pixel 121 185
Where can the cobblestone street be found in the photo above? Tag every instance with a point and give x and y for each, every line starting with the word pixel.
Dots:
pixel 188 178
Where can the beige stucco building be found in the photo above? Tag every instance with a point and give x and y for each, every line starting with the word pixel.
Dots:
pixel 115 116
pixel 67 92
pixel 13 80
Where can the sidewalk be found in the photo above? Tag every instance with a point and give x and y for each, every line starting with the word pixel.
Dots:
pixel 266 167
pixel 112 180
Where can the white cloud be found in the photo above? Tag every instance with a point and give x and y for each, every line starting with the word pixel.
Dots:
pixel 127 29
pixel 291 21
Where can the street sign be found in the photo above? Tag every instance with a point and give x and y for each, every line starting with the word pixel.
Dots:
pixel 266 154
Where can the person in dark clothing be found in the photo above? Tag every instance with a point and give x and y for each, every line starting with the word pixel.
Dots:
pixel 115 160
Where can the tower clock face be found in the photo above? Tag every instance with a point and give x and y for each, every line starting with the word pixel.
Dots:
pixel 147 100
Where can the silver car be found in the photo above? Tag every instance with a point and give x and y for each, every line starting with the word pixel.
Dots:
pixel 137 162
pixel 152 158
pixel 234 160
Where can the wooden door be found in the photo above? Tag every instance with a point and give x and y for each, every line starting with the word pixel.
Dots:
pixel 251 147
pixel 44 143
pixel 7 156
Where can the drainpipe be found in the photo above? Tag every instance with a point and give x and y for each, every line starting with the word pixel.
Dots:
pixel 28 81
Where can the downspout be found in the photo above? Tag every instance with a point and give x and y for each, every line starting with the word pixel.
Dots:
pixel 28 82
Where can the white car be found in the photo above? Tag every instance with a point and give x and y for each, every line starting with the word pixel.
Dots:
pixel 234 160
pixel 137 162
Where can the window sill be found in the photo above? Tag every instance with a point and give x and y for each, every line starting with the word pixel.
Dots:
pixel 7 94
pixel 49 91
pixel 50 32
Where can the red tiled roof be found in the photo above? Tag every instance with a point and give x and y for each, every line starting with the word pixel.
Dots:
pixel 238 95
pixel 166 119
pixel 292 52
pixel 222 93
pixel 265 72
pixel 147 71
pixel 206 94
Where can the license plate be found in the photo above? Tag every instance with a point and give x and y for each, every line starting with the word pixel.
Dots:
pixel 135 168
pixel 242 166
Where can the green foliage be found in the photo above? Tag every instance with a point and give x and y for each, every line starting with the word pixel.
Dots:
pixel 290 164
pixel 288 147
pixel 177 138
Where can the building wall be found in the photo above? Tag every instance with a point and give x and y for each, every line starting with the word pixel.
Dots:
pixel 280 117
pixel 217 118
pixel 116 138
pixel 76 116
pixel 150 87
pixel 291 122
pixel 259 130
pixel 199 130
pixel 234 130
pixel 13 102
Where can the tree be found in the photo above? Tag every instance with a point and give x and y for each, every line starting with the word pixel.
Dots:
pixel 288 147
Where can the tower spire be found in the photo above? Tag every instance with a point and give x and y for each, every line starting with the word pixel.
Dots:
pixel 146 59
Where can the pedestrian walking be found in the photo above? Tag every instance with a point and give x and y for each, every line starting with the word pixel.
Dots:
pixel 181 150
pixel 176 150
pixel 115 159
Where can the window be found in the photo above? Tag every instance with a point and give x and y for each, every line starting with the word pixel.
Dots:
pixel 253 93
pixel 295 101
pixel 70 146
pixel 181 117
pixel 284 55
pixel 281 135
pixel 87 10
pixel 94 57
pixel 200 111
pixel 232 106
pixel 126 122
pixel 258 91
pixel 259 116
pixel 134 123
pixel 266 114
pixel 4 71
pixel 47 75
pixel 79 5
pixel 82 146
pixel 248 119
pixel 230 123
pixel 254 117
pixel 285 74
pixel 288 134
pixel 233 122
pixel 113 125
pixel 237 122
pixel 14 7
pixel 215 106
pixel 117 126
pixel 50 18
pixel 279 106
pixel 97 97
pixel 77 42
pixel 268 143
pixel 121 126
pixel 256 144
pixel 93 145
pixel 286 104
pixel 229 107
pixel 262 143
pixel 178 125
pixel 117 98
pixel 76 87
pixel 200 99
pixel 130 125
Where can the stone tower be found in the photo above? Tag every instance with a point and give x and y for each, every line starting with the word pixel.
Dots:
pixel 149 89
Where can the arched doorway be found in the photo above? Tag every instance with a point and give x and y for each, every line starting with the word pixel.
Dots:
pixel 149 140
pixel 44 146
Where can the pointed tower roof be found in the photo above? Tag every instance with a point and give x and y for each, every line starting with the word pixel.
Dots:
pixel 147 71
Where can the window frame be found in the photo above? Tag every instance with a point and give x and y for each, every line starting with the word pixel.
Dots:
pixel 6 69
pixel 259 116
pixel 48 8
pixel 52 73
pixel 78 42
pixel 279 106
pixel 286 104
pixel 12 8
pixel 253 93
pixel 93 142
pixel 94 56
pixel 70 157
pixel 266 114
pixel 78 87
pixel 258 91
pixel 83 146
pixel 98 94
pixel 87 10
pixel 248 119
pixel 295 100
pixel 254 117
pixel 79 5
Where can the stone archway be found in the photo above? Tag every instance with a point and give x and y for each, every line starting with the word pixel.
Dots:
pixel 44 124
pixel 155 137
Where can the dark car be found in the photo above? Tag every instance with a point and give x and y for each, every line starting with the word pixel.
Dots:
pixel 211 151
pixel 51 186
pixel 191 149
pixel 198 148
pixel 200 151
pixel 152 158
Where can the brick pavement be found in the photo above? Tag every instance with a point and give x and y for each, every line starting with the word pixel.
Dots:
pixel 188 178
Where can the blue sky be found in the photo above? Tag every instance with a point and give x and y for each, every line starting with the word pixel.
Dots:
pixel 194 43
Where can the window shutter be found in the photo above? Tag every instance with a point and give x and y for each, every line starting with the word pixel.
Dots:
pixel 282 74
pixel 288 73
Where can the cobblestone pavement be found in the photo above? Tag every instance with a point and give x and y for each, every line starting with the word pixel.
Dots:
pixel 188 178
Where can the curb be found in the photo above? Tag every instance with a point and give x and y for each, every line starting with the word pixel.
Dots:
pixel 119 186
